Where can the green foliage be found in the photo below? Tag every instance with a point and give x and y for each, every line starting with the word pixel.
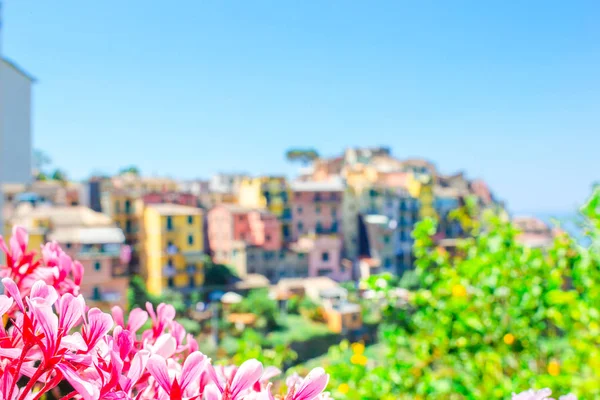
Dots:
pixel 258 302
pixel 190 325
pixel 295 328
pixel 218 274
pixel 137 296
pixel 304 156
pixel 59 175
pixel 250 346
pixel 132 169
pixel 492 319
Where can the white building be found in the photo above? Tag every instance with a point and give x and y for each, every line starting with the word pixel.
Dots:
pixel 15 118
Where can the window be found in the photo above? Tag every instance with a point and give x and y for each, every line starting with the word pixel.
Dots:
pixel 169 223
pixel 388 262
pixel 299 210
pixel 318 210
pixel 268 238
pixel 97 266
pixel 333 212
pixel 300 227
pixel 170 262
pixel 324 272
pixel 128 226
pixel 190 220
pixel 96 295
pixel 325 256
pixel 354 317
pixel 268 255
pixel 68 245
pixel 127 206
pixel 171 282
pixel 300 256
pixel 319 227
pixel 192 282
pixel 190 239
pixel 386 239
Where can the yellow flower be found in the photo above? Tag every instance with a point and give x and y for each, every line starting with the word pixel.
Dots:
pixel 553 368
pixel 343 388
pixel 459 291
pixel 358 359
pixel 509 338
pixel 358 348
pixel 416 372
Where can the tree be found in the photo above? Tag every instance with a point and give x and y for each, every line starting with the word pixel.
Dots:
pixel 259 303
pixel 132 169
pixel 492 318
pixel 304 156
pixel 59 175
pixel 218 274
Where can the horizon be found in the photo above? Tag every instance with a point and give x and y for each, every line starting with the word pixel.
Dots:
pixel 192 90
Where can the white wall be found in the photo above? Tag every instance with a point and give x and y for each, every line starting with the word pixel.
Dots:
pixel 15 116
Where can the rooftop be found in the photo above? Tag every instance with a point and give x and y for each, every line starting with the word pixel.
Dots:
pixel 347 308
pixel 175 209
pixel 20 70
pixel 332 185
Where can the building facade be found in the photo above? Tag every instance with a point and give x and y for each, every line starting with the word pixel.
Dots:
pixel 173 247
pixel 316 207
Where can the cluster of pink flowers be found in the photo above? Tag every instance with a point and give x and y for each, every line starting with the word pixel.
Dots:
pixel 49 336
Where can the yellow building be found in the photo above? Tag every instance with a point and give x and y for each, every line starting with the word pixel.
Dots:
pixel 173 248
pixel 421 187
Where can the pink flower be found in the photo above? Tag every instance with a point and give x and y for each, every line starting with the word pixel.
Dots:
pixel 243 379
pixel 310 387
pixel 178 386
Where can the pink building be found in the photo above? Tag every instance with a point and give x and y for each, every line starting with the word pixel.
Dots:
pixel 316 207
pixel 181 198
pixel 230 223
pixel 324 256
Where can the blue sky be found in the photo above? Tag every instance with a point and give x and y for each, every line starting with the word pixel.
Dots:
pixel 508 91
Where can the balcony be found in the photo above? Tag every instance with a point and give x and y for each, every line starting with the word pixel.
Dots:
pixel 103 250
pixel 194 255
pixel 169 271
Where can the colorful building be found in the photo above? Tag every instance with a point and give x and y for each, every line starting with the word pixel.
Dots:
pixel 126 208
pixel 271 193
pixel 173 248
pixel 230 226
pixel 325 257
pixel 376 238
pixel 87 236
pixel 316 207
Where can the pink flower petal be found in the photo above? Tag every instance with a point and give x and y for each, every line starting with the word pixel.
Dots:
pixel 11 288
pixel 192 367
pixel 87 389
pixel 314 383
pixel 247 374
pixel 137 319
pixel 70 309
pixel 5 304
pixel 157 366
pixel 117 314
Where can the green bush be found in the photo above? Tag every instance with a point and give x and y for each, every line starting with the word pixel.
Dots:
pixel 491 319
